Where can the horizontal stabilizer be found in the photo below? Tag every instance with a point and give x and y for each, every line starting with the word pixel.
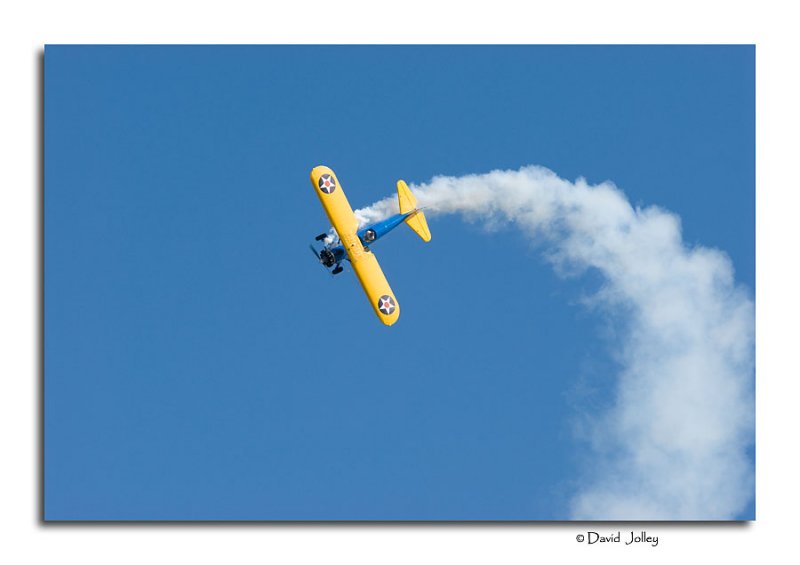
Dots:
pixel 416 221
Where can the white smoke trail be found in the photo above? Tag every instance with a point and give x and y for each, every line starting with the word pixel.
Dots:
pixel 674 445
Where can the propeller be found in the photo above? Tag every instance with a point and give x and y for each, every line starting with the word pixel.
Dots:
pixel 319 259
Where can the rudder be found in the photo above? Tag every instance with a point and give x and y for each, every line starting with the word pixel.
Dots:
pixel 416 218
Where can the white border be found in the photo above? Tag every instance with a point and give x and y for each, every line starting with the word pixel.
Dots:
pixel 25 27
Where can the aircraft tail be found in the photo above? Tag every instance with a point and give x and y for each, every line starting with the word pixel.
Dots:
pixel 416 219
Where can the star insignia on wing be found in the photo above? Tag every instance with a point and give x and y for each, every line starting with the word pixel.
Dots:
pixel 327 184
pixel 386 304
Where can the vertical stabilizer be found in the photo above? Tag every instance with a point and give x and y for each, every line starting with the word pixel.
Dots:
pixel 405 198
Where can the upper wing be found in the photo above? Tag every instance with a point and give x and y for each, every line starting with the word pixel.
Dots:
pixel 366 266
pixel 334 201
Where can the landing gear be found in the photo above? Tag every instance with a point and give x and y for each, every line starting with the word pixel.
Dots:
pixel 337 270
pixel 321 236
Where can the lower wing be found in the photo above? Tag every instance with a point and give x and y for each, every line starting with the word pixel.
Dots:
pixel 376 287
pixel 366 266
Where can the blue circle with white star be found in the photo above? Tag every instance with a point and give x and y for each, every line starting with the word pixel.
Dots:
pixel 327 184
pixel 386 304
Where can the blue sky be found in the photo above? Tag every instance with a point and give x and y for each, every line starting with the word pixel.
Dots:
pixel 200 365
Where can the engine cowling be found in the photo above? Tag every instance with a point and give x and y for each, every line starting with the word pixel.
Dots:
pixel 327 258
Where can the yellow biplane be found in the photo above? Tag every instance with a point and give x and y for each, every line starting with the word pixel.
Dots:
pixel 354 243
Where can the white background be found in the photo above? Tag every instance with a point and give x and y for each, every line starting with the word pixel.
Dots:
pixel 25 28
